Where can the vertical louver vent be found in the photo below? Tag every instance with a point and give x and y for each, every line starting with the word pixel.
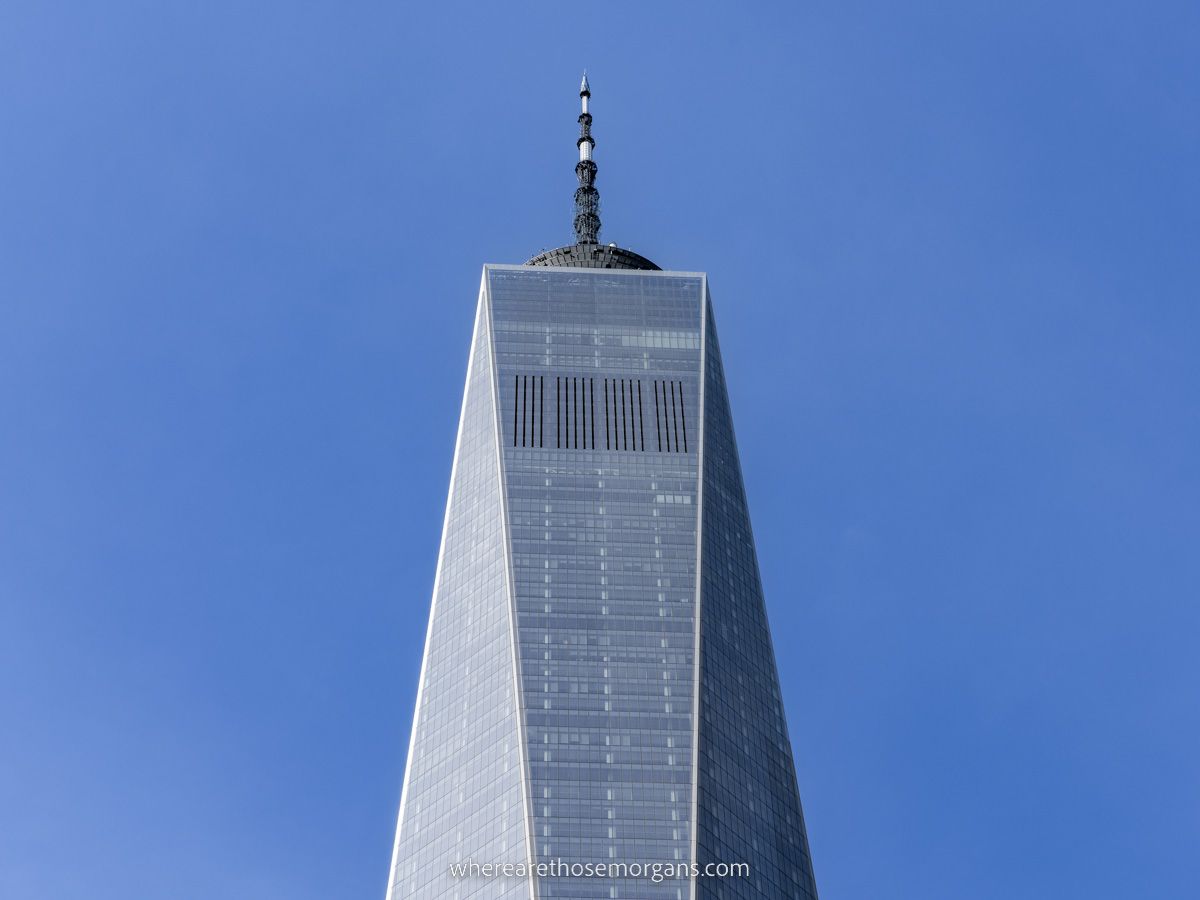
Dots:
pixel 624 414
pixel 669 416
pixel 529 419
pixel 575 412
pixel 589 413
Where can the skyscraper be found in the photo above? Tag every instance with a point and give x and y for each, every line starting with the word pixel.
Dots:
pixel 599 708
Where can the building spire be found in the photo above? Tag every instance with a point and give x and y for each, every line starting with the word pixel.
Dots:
pixel 587 198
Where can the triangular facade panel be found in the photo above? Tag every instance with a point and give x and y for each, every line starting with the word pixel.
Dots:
pixel 464 798
pixel 748 802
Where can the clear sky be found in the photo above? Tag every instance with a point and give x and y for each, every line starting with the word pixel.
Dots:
pixel 954 251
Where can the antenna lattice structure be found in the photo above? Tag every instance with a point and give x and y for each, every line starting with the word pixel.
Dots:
pixel 587 198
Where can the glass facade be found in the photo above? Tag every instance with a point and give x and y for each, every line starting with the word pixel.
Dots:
pixel 748 802
pixel 598 552
pixel 604 525
pixel 463 793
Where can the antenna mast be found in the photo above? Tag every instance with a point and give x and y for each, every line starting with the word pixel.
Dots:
pixel 587 198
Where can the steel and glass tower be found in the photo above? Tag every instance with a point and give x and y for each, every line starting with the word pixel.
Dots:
pixel 599 685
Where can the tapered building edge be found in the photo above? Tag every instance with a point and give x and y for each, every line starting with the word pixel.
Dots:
pixel 481 334
pixel 717 405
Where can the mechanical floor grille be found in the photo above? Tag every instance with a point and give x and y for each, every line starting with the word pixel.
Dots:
pixel 585 412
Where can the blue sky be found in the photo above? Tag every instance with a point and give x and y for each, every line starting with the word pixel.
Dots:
pixel 954 251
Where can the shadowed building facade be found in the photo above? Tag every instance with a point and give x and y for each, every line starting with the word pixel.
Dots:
pixel 599 685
